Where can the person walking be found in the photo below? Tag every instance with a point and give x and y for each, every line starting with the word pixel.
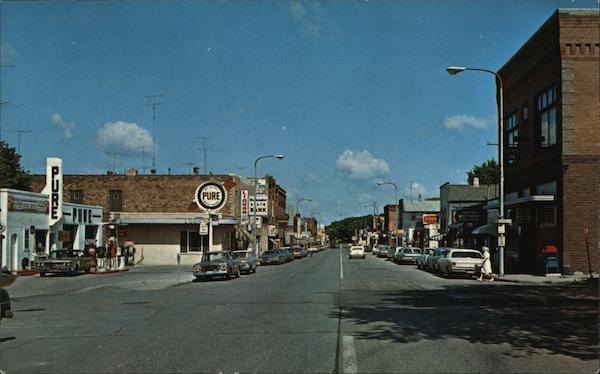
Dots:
pixel 486 266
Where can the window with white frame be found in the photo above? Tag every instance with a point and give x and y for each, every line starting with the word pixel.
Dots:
pixel 512 130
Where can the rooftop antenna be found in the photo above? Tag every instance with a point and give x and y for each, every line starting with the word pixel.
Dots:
pixel 114 154
pixel 19 132
pixel 153 104
pixel 190 165
pixel 203 138
pixel 143 148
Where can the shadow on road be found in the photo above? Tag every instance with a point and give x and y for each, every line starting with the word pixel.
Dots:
pixel 557 319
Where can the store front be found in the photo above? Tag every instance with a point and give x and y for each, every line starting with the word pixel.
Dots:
pixel 27 231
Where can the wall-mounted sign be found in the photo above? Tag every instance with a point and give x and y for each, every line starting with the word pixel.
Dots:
pixel 203 228
pixel 211 196
pixel 244 204
pixel 472 216
pixel 27 205
pixel 262 208
pixel 430 219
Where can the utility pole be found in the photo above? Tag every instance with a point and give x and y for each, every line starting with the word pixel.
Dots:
pixel 203 138
pixel 143 148
pixel 153 104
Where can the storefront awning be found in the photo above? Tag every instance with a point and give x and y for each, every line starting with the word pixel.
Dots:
pixel 166 218
pixel 488 229
pixel 245 233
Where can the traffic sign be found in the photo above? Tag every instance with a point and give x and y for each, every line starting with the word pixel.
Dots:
pixel 505 221
pixel 501 240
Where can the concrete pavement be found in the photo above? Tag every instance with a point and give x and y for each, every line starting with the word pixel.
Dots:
pixel 321 314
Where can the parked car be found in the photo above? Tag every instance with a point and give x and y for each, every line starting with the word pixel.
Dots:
pixel 299 252
pixel 248 262
pixel 288 256
pixel 368 248
pixel 6 279
pixel 313 249
pixel 465 261
pixel 407 255
pixel 384 251
pixel 356 251
pixel 375 250
pixel 65 261
pixel 422 259
pixel 217 264
pixel 434 257
pixel 271 257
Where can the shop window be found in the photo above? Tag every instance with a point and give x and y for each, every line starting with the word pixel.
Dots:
pixel 26 241
pixel 546 119
pixel 115 200
pixel 547 216
pixel 77 196
pixel 192 241
pixel 525 113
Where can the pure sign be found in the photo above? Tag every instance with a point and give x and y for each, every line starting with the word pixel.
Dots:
pixel 54 188
pixel 211 196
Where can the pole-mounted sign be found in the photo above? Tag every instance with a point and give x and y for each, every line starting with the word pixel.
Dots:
pixel 54 189
pixel 211 196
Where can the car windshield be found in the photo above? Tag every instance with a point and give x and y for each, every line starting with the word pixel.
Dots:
pixel 65 254
pixel 466 254
pixel 270 253
pixel 241 254
pixel 217 256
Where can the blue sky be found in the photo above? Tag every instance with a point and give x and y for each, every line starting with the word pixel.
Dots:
pixel 350 91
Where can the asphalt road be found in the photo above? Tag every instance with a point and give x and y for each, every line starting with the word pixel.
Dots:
pixel 321 314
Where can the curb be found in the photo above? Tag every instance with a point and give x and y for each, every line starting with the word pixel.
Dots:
pixel 108 272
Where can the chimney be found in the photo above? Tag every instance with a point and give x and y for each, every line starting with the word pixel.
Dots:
pixel 475 182
pixel 132 172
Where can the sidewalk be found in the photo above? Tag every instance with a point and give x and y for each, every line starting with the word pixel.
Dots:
pixel 545 279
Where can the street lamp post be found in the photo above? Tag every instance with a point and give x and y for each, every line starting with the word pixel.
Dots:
pixel 381 183
pixel 255 244
pixel 501 239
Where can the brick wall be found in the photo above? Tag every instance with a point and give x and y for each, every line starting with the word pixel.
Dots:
pixel 147 193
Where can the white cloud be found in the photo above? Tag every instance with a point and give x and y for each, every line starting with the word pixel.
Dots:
pixel 461 121
pixel 312 179
pixel 362 165
pixel 313 20
pixel 415 189
pixel 124 137
pixel 67 128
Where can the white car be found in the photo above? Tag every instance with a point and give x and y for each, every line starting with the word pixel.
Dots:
pixel 465 261
pixel 422 259
pixel 407 255
pixel 356 251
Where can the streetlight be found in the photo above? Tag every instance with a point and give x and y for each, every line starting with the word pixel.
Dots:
pixel 255 244
pixel 381 183
pixel 452 70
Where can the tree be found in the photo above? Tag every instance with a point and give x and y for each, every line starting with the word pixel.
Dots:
pixel 344 230
pixel 488 173
pixel 12 174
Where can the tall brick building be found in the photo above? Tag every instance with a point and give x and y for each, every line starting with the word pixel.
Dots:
pixel 551 106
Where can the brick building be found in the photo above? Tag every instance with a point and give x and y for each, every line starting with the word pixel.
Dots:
pixel 158 212
pixel 551 106
pixel 390 223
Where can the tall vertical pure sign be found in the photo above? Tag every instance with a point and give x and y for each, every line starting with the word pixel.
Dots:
pixel 54 189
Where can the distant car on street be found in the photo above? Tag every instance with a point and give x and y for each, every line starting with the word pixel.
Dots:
pixel 465 261
pixel 356 251
pixel 384 251
pixel 217 264
pixel 248 262
pixel 287 254
pixel 299 252
pixel 407 255
pixel 64 261
pixel 272 257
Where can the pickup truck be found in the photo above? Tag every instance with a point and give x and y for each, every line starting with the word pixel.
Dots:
pixel 64 261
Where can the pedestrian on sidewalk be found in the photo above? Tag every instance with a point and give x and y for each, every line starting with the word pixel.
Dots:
pixel 486 266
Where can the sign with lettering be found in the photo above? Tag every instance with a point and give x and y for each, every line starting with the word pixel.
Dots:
pixel 430 219
pixel 244 204
pixel 211 196
pixel 54 189
pixel 262 207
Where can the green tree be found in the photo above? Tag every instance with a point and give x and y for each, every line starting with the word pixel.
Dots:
pixel 344 230
pixel 12 174
pixel 488 173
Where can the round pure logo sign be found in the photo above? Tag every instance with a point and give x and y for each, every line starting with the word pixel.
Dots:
pixel 211 196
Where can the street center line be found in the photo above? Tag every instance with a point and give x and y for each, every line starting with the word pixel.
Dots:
pixel 348 355
pixel 341 266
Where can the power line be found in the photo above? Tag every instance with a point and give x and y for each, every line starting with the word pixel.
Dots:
pixel 153 104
